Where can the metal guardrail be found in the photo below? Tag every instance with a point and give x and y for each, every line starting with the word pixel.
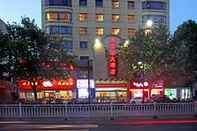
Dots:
pixel 69 111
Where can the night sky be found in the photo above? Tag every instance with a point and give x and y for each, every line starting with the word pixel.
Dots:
pixel 12 10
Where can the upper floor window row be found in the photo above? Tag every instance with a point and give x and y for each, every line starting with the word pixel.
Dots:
pixel 63 30
pixel 62 17
pixel 58 3
pixel 155 5
pixel 157 19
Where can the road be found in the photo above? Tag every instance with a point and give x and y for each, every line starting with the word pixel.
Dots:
pixel 124 125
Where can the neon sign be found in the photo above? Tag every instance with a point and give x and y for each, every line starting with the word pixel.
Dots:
pixel 112 65
pixel 140 84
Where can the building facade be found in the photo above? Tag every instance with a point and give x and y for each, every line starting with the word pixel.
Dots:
pixel 3 27
pixel 81 23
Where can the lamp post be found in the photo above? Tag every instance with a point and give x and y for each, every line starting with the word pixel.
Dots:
pixel 96 47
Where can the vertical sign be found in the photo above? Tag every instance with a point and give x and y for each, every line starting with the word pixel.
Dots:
pixel 112 62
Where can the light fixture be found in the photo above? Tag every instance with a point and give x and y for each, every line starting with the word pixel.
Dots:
pixel 47 84
pixel 97 44
pixel 149 23
pixel 126 43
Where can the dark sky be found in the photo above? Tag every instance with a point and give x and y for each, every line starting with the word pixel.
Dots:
pixel 12 10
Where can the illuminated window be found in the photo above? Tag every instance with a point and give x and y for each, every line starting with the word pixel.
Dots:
pixel 99 17
pixel 131 18
pixel 83 30
pixel 52 16
pixel 131 32
pixel 115 31
pixel 131 4
pixel 83 17
pixel 63 17
pixel 115 4
pixel 99 31
pixel 115 18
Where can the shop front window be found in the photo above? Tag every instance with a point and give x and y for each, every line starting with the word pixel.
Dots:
pixel 171 93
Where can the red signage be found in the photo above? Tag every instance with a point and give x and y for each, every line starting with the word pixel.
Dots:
pixel 112 64
pixel 68 84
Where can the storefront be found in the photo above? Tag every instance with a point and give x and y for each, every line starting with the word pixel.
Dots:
pixel 111 91
pixel 85 89
pixel 53 91
pixel 144 91
pixel 179 93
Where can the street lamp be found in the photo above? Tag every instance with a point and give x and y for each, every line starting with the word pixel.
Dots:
pixel 148 26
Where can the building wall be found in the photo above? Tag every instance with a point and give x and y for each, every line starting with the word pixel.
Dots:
pixel 3 26
pixel 100 61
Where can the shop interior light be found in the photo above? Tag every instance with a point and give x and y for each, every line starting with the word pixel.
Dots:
pixel 47 84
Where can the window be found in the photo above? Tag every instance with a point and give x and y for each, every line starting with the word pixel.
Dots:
pixel 68 45
pixel 84 57
pixel 115 31
pixel 52 16
pixel 131 32
pixel 83 30
pixel 99 17
pixel 83 44
pixel 131 4
pixel 115 4
pixel 83 3
pixel 99 31
pixel 99 3
pixel 115 18
pixel 155 5
pixel 131 18
pixel 58 3
pixel 83 17
pixel 157 19
pixel 65 30
pixel 63 17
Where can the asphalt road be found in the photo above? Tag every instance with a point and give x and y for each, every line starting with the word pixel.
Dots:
pixel 123 125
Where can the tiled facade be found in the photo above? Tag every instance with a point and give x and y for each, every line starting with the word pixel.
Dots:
pixel 80 22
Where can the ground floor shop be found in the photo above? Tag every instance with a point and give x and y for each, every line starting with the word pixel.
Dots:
pixel 47 96
pixel 53 91
pixel 179 93
pixel 111 91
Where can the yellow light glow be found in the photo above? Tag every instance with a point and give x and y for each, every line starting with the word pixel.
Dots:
pixel 126 43
pixel 97 44
pixel 149 23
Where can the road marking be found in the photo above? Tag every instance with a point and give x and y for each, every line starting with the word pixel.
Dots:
pixel 155 122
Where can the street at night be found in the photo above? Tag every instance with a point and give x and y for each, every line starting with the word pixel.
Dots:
pixel 124 125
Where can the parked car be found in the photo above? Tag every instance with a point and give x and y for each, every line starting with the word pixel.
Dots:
pixel 136 100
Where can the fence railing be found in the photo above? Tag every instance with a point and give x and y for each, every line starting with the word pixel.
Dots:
pixel 69 111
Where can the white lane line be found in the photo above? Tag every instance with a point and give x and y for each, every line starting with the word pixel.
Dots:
pixel 12 122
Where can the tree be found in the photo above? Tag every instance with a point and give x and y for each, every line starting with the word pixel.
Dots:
pixel 185 39
pixel 21 48
pixel 149 56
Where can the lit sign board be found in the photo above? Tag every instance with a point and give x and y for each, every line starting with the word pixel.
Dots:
pixel 112 63
pixel 139 84
pixel 83 83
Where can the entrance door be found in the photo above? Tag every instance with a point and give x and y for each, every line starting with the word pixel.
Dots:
pixel 49 96
pixel 146 95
